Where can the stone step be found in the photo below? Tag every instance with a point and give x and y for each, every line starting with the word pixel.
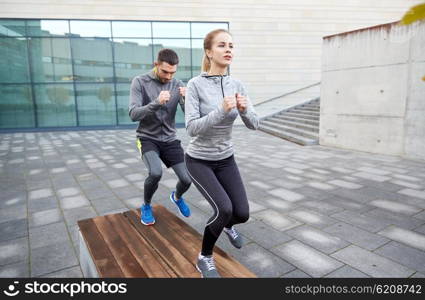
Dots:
pixel 306 112
pixel 295 119
pixel 292 130
pixel 306 108
pixel 300 115
pixel 288 136
pixel 295 124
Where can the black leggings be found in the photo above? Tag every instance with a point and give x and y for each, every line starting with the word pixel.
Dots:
pixel 221 185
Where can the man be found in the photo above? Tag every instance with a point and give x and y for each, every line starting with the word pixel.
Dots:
pixel 153 102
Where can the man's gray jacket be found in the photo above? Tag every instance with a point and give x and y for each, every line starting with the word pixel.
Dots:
pixel 156 121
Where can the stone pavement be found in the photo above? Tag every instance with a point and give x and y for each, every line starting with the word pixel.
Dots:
pixel 315 211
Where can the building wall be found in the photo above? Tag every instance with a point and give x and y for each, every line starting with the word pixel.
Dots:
pixel 278 42
pixel 372 95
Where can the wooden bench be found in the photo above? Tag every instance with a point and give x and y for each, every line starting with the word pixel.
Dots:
pixel 118 245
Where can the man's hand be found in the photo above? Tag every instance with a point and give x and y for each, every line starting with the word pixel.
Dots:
pixel 164 97
pixel 182 91
pixel 241 102
pixel 229 102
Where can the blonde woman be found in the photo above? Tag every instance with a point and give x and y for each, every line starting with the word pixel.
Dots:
pixel 213 102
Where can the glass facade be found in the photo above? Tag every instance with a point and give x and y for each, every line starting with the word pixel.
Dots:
pixel 77 73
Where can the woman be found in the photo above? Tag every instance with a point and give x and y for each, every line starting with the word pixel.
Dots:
pixel 213 101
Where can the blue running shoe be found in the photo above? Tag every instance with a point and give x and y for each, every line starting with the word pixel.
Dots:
pixel 147 216
pixel 183 208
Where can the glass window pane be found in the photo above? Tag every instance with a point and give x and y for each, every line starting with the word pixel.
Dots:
pixel 91 28
pixel 131 29
pixel 92 59
pixel 12 28
pixel 132 57
pixel 16 106
pixel 197 55
pixel 48 28
pixel 50 59
pixel 171 29
pixel 123 95
pixel 96 104
pixel 55 105
pixel 200 30
pixel 182 48
pixel 13 60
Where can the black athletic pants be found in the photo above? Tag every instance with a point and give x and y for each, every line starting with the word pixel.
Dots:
pixel 221 185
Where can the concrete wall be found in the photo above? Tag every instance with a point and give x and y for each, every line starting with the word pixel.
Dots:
pixel 372 95
pixel 278 42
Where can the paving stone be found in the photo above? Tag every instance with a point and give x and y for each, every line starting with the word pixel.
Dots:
pixel 135 177
pixel 260 185
pixel 40 193
pixel 74 202
pixel 321 206
pixel 48 234
pixel 370 176
pixel 98 193
pixel 66 192
pixel 365 222
pixel 400 220
pixel 255 207
pixel 42 204
pixel 13 213
pixel 347 272
pixel 317 239
pixel 263 234
pixel 345 184
pixel 45 217
pixel 407 184
pixel 13 229
pixel 307 259
pixel 117 183
pixel 312 218
pixel 261 262
pixel 374 171
pixel 404 236
pixel 407 256
pixel 72 216
pixel 286 195
pixel 74 272
pixel 420 229
pixel 396 207
pixel 321 186
pixel 413 193
pixel 276 220
pixel 296 274
pixel 15 270
pixel 371 263
pixel 350 205
pixel 13 251
pixel 52 258
pixel 134 202
pixel 355 235
pixel 406 177
pixel 279 204
pixel 418 275
pixel 103 205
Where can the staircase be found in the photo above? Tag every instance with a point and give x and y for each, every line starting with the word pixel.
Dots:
pixel 298 124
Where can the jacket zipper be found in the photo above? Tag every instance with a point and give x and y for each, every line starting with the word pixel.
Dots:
pixel 221 81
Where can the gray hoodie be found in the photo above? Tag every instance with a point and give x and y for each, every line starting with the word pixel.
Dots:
pixel 206 121
pixel 156 121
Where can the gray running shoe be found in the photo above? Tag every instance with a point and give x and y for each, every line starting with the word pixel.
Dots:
pixel 234 237
pixel 206 267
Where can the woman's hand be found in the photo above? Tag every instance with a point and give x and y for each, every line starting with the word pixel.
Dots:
pixel 241 102
pixel 229 102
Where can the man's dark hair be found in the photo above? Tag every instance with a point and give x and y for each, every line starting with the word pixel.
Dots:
pixel 168 56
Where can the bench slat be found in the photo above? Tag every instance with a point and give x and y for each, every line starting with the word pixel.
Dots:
pixel 226 265
pixel 123 256
pixel 104 261
pixel 148 259
pixel 167 251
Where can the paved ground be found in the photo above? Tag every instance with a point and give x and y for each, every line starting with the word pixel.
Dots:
pixel 315 211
